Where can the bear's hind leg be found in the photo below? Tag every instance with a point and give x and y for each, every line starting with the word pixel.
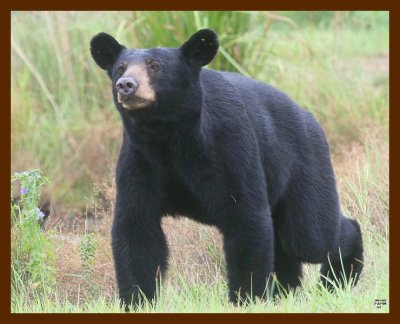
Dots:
pixel 288 271
pixel 349 259
pixel 249 256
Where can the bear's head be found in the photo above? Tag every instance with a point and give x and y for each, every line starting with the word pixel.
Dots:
pixel 155 77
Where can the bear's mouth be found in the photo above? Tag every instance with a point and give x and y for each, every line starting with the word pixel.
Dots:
pixel 133 102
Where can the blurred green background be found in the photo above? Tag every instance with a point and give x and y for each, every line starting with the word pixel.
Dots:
pixel 334 64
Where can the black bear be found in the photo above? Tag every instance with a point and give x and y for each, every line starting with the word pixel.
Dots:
pixel 224 150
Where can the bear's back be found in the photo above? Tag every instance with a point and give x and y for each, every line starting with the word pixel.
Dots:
pixel 275 117
pixel 284 131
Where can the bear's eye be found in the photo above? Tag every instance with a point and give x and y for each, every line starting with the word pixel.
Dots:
pixel 154 66
pixel 121 70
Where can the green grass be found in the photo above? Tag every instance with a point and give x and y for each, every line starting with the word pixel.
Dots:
pixel 63 122
pixel 202 298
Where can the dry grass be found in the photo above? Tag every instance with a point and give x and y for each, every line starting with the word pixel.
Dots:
pixel 71 281
pixel 362 173
pixel 195 252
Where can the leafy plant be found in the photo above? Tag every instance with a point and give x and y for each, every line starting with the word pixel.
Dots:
pixel 87 250
pixel 33 255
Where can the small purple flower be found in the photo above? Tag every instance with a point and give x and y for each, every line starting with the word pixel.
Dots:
pixel 40 215
pixel 24 191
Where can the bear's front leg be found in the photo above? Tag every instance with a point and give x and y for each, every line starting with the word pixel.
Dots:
pixel 138 242
pixel 140 257
pixel 249 254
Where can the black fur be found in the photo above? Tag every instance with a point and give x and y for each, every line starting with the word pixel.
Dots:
pixel 228 151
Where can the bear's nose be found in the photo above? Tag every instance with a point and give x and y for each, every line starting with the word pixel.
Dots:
pixel 126 86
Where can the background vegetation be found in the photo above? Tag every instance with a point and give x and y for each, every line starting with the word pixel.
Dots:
pixel 334 64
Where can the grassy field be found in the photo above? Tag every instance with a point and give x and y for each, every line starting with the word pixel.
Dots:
pixel 334 64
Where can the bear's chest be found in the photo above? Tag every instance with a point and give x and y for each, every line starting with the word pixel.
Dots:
pixel 170 149
pixel 185 197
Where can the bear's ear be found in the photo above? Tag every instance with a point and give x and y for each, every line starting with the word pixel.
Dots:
pixel 201 48
pixel 105 50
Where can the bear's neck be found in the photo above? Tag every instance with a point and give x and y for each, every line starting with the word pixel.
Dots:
pixel 161 131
